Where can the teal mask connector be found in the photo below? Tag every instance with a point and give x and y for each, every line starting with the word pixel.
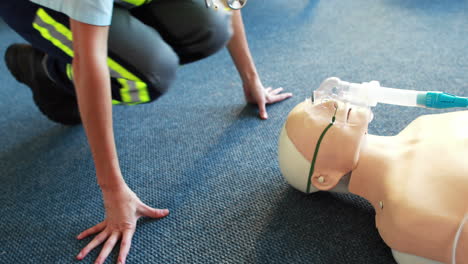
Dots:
pixel 441 100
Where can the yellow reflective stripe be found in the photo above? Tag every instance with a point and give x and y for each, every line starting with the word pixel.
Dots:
pixel 124 91
pixel 45 33
pixel 121 70
pixel 143 95
pixel 59 27
pixel 135 2
pixel 69 71
pixel 115 102
pixel 143 92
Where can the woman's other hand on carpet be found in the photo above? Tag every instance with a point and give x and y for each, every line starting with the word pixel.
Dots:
pixel 256 93
pixel 123 209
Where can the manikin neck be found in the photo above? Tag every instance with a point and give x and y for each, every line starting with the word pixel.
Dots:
pixel 375 160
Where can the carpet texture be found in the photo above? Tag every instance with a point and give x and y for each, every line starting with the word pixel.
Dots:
pixel 203 153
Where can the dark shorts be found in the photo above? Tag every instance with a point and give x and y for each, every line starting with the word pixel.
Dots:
pixel 146 44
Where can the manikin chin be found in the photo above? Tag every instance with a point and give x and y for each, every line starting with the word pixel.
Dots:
pixel 417 181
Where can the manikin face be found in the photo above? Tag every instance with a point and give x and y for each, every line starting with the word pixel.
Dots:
pixel 338 152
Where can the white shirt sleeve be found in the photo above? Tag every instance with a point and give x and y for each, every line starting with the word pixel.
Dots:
pixel 94 12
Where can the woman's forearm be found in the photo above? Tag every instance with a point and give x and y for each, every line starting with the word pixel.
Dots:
pixel 94 100
pixel 92 85
pixel 239 50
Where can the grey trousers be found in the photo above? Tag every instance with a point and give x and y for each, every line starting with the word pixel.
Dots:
pixel 146 44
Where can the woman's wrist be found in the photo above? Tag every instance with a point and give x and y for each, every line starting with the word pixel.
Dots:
pixel 249 83
pixel 113 186
pixel 111 181
pixel 249 77
pixel 108 173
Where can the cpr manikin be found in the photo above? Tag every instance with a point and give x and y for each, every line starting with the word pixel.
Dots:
pixel 417 181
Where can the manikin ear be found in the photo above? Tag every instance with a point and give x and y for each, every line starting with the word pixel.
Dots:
pixel 325 182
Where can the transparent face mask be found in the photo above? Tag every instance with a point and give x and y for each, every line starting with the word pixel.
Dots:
pixel 339 113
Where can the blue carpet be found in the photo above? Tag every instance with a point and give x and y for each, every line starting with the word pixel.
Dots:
pixel 203 153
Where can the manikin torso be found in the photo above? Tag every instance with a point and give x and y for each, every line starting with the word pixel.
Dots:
pixel 422 185
pixel 417 182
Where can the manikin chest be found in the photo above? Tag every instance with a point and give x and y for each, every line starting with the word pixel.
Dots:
pixel 425 193
pixel 432 167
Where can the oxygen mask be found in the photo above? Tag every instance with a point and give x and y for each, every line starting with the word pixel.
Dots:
pixel 368 94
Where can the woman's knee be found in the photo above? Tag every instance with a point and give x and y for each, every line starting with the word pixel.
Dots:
pixel 192 30
pixel 214 32
pixel 221 31
pixel 145 84
pixel 160 71
pixel 143 50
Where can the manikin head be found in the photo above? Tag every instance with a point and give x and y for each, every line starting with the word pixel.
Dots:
pixel 333 132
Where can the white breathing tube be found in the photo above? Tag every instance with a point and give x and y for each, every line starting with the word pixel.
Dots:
pixel 368 94
pixel 457 238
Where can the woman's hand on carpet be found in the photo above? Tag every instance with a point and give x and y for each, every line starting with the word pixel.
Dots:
pixel 123 209
pixel 256 93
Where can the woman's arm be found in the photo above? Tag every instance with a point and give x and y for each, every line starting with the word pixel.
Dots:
pixel 253 87
pixel 92 85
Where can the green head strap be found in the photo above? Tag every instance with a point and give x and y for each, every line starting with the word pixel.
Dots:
pixel 312 165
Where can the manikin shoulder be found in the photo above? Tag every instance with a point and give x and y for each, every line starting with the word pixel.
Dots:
pixel 437 125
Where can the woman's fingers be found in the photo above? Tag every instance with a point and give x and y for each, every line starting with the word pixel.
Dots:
pixel 107 248
pixel 93 230
pixel 94 243
pixel 274 96
pixel 262 110
pixel 277 91
pixel 125 245
pixel 278 98
pixel 153 212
